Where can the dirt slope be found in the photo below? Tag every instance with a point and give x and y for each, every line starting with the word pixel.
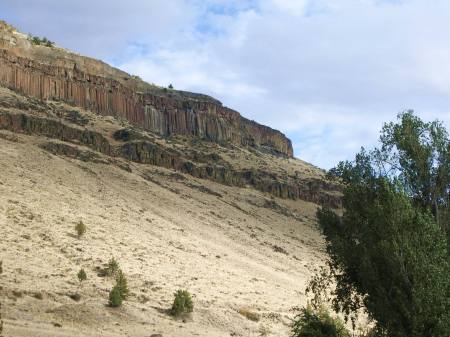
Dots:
pixel 230 218
pixel 229 246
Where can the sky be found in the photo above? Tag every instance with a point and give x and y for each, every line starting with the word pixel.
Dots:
pixel 327 73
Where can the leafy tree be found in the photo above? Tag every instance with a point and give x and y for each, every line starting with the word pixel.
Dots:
pixel 389 250
pixel 418 153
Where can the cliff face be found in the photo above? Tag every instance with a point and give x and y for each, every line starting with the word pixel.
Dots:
pixel 144 151
pixel 65 99
pixel 55 74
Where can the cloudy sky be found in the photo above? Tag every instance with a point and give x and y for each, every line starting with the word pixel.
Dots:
pixel 327 73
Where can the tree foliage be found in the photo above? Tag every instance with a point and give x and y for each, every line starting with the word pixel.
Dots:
pixel 120 291
pixel 122 284
pixel 41 41
pixel 80 229
pixel 82 276
pixel 115 297
pixel 112 268
pixel 182 303
pixel 389 250
pixel 311 322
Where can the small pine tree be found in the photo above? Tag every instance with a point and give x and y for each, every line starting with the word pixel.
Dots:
pixel 112 268
pixel 182 303
pixel 115 297
pixel 80 228
pixel 122 284
pixel 82 275
pixel 170 86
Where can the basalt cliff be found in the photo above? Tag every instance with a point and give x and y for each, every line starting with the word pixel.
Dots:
pixel 183 192
pixel 52 75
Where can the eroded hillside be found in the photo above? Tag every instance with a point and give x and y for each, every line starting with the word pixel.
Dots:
pixel 182 191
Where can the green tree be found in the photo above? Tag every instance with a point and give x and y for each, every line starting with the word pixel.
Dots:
pixel 82 276
pixel 115 297
pixel 120 291
pixel 112 268
pixel 388 251
pixel 80 228
pixel 122 284
pixel 418 153
pixel 182 303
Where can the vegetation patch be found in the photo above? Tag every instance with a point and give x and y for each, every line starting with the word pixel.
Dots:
pixel 318 323
pixel 36 40
pixel 80 229
pixel 182 303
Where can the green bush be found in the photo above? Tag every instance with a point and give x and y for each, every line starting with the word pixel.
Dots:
pixel 82 275
pixel 115 297
pixel 317 323
pixel 122 284
pixel 182 303
pixel 80 228
pixel 112 268
pixel 41 41
pixel 120 291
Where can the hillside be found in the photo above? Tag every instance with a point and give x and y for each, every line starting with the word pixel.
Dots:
pixel 182 191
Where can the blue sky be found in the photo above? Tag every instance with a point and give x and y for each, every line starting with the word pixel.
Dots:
pixel 327 73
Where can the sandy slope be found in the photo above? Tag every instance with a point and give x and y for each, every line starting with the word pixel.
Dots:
pixel 168 232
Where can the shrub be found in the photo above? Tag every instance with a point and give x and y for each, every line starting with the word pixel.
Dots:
pixel 41 41
pixel 115 297
pixel 122 284
pixel 317 323
pixel 170 86
pixel 252 316
pixel 82 275
pixel 120 291
pixel 182 303
pixel 112 268
pixel 80 228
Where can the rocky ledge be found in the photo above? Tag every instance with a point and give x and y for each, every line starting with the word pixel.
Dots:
pixel 51 73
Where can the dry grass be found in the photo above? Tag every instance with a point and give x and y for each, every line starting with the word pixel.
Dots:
pixel 251 315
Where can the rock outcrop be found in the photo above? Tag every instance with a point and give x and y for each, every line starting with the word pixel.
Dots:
pixel 56 74
pixel 144 152
pixel 152 126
